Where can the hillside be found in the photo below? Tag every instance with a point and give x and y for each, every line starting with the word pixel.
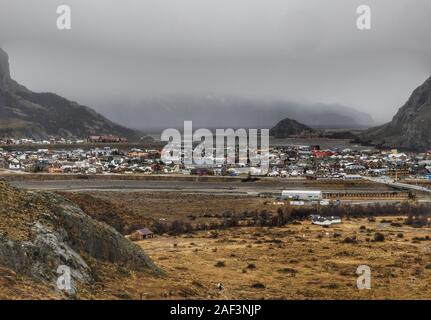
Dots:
pixel 41 231
pixel 288 127
pixel 410 127
pixel 24 113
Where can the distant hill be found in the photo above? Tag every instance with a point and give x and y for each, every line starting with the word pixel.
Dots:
pixel 288 127
pixel 410 128
pixel 217 111
pixel 24 113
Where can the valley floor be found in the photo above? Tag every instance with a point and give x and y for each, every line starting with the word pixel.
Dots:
pixel 300 261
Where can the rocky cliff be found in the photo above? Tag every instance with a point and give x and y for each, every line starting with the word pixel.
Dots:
pixel 410 128
pixel 24 113
pixel 41 231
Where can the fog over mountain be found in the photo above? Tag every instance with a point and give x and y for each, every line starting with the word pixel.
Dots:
pixel 138 54
pixel 27 114
pixel 229 111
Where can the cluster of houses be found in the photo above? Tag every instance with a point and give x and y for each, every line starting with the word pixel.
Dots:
pixel 313 163
pixel 308 162
pixel 302 197
pixel 108 138
pixel 93 161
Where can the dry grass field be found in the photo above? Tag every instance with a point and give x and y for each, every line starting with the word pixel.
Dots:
pixel 141 209
pixel 296 261
pixel 172 206
pixel 300 261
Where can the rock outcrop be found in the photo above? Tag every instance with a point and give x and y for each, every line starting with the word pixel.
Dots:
pixel 410 128
pixel 39 232
pixel 24 113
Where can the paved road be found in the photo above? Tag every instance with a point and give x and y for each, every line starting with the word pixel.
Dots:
pixel 185 187
pixel 159 186
pixel 398 185
pixel 148 185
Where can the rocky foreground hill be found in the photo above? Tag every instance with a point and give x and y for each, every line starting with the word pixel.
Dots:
pixel 24 113
pixel 41 231
pixel 288 127
pixel 410 128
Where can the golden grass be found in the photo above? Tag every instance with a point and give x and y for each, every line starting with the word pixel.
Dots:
pixel 298 262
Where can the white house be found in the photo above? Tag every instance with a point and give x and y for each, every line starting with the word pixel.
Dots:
pixel 325 221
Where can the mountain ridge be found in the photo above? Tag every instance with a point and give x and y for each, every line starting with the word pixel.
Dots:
pixel 219 111
pixel 27 114
pixel 410 127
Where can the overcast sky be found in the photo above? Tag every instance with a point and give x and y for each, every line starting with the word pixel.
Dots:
pixel 305 50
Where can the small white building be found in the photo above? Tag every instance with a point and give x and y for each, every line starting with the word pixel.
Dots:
pixel 297 203
pixel 325 221
pixel 304 195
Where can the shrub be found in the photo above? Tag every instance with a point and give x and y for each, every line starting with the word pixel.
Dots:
pixel 220 264
pixel 290 271
pixel 379 237
pixel 351 239
pixel 258 285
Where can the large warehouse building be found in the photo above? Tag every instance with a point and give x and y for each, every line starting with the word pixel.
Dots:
pixel 304 195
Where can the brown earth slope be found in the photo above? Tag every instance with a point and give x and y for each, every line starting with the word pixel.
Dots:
pixel 41 231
